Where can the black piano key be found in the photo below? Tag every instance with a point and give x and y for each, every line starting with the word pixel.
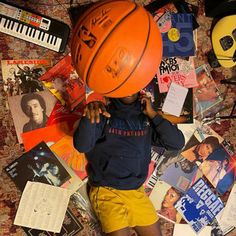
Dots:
pixel 52 39
pixel 39 34
pixel 26 32
pixel 8 24
pixel 21 29
pixel 34 33
pixel 55 40
pixel 43 36
pixel 49 36
pixel 12 25
pixel 18 27
pixel 5 23
pixel 30 31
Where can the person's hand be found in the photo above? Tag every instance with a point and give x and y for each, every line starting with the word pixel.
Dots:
pixel 93 110
pixel 147 106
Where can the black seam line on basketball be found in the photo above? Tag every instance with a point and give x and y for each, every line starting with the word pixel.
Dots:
pixel 89 11
pixel 88 71
pixel 144 49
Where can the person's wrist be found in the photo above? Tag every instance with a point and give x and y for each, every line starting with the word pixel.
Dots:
pixel 152 114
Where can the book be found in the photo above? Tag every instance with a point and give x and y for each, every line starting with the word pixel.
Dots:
pixel 31 111
pixel 61 114
pixel 199 206
pixel 65 84
pixel 65 150
pixel 21 76
pixel 177 70
pixel 38 164
pixel 163 197
pixel 219 168
pixel 206 94
pixel 50 135
pixel 177 33
pixel 70 227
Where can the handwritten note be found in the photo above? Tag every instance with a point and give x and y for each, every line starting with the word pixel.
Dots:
pixel 175 99
pixel 42 207
pixel 180 228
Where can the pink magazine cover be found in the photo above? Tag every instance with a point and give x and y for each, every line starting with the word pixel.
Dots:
pixel 180 71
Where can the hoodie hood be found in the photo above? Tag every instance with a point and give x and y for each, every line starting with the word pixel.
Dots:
pixel 125 111
pixel 126 119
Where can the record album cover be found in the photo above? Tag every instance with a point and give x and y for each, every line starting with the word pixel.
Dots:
pixel 39 165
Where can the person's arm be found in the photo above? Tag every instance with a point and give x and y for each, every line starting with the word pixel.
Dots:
pixel 91 126
pixel 165 134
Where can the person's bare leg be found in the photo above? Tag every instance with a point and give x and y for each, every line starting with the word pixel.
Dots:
pixel 120 232
pixel 149 230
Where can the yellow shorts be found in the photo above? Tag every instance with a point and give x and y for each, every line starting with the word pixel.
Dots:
pixel 117 209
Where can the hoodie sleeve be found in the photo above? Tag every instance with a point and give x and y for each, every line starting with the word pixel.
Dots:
pixel 87 134
pixel 166 135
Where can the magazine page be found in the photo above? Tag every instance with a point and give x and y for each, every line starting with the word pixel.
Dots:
pixel 65 84
pixel 163 197
pixel 65 150
pixel 206 94
pixel 177 70
pixel 202 143
pixel 21 76
pixel 219 168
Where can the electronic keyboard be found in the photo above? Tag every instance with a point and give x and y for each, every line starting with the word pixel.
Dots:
pixel 33 27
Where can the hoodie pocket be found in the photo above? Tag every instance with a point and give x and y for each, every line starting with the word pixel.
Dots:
pixel 123 167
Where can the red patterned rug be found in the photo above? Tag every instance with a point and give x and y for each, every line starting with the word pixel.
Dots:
pixel 12 48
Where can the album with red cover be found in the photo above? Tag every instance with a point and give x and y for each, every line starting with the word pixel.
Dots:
pixel 64 83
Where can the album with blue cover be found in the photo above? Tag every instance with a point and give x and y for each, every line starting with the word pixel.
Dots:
pixel 199 206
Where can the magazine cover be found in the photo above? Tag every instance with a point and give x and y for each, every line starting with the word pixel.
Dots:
pixel 219 168
pixel 64 83
pixel 21 76
pixel 206 94
pixel 199 206
pixel 39 165
pixel 203 142
pixel 70 227
pixel 163 197
pixel 177 33
pixel 177 70
pixel 175 170
pixel 31 111
pixel 61 114
pixel 65 150
pixel 50 135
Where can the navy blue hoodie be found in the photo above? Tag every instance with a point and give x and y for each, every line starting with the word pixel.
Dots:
pixel 118 149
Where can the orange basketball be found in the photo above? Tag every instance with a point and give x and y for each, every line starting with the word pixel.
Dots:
pixel 116 48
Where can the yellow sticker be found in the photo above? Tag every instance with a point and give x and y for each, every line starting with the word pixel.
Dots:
pixel 173 34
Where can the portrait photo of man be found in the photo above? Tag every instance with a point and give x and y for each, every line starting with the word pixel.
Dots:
pixel 31 111
pixel 34 106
